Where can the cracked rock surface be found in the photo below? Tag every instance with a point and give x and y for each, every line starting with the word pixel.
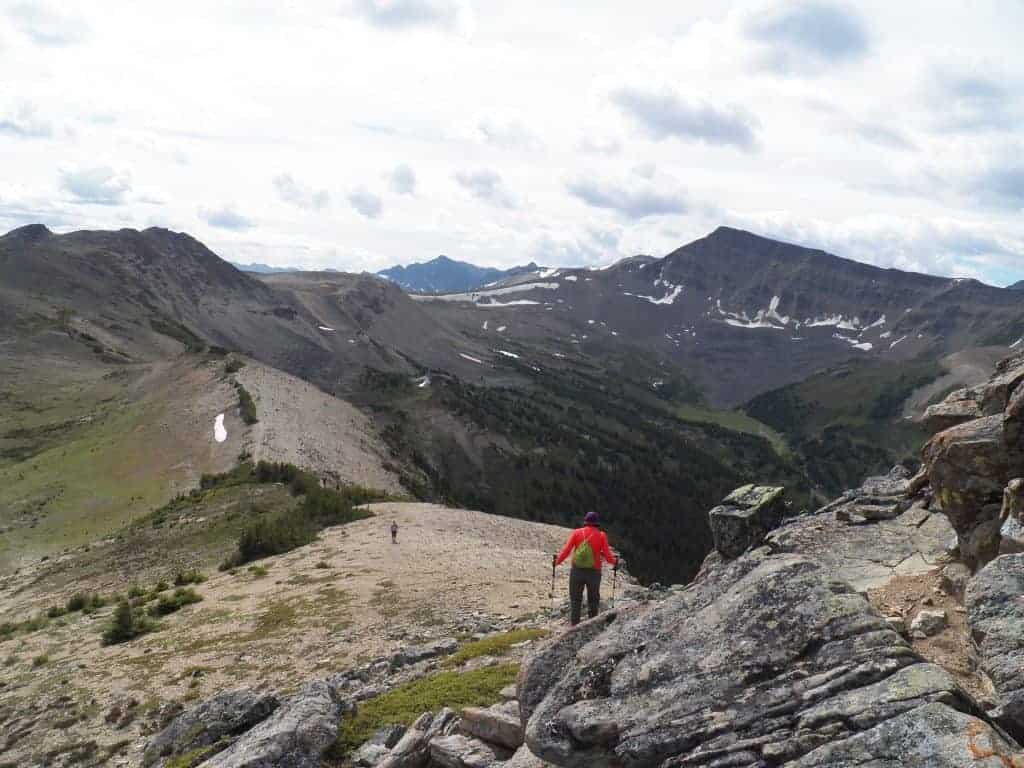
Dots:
pixel 765 660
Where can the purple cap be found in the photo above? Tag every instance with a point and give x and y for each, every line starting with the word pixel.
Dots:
pixel 591 518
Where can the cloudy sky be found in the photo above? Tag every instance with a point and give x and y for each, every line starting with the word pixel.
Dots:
pixel 360 133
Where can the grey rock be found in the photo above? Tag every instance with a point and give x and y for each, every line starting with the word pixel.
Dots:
pixel 968 468
pixel 225 715
pixel 499 724
pixel 370 755
pixel 296 735
pixel 764 659
pixel 524 758
pixel 389 735
pixel 745 517
pixel 412 750
pixel 458 751
pixel 933 735
pixel 867 556
pixel 509 693
pixel 897 623
pixel 1011 516
pixel 928 623
pixel 417 653
pixel 995 612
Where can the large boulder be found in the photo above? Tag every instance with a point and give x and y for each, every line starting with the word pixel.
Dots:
pixel 459 751
pixel 224 716
pixel 745 517
pixel 995 605
pixel 499 724
pixel 762 661
pixel 295 736
pixel 958 407
pixel 968 467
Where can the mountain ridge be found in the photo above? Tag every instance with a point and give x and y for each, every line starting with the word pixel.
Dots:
pixel 444 275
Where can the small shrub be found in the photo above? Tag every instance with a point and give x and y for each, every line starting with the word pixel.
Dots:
pixel 495 645
pixel 126 624
pixel 41 660
pixel 10 661
pixel 173 602
pixel 77 602
pixel 233 365
pixel 258 571
pixel 402 705
pixel 161 586
pixel 322 564
pixel 246 405
pixel 136 591
pixel 183 578
pixel 55 611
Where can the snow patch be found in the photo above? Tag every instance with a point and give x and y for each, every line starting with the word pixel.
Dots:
pixel 484 326
pixel 219 433
pixel 550 272
pixel 885 335
pixel 879 322
pixel 1017 343
pixel 501 328
pixel 513 355
pixel 901 338
pixel 424 382
pixel 570 278
pixel 471 358
pixel 864 346
pixel 325 328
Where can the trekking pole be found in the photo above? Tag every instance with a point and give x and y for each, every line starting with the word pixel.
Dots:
pixel 615 578
pixel 551 594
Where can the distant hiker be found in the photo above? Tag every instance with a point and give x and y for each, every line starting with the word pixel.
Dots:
pixel 394 532
pixel 588 546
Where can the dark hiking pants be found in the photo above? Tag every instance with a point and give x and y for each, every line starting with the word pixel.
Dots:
pixel 590 578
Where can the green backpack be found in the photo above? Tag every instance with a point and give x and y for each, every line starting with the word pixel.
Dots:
pixel 583 556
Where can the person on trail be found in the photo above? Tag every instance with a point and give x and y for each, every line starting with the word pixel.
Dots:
pixel 394 532
pixel 588 546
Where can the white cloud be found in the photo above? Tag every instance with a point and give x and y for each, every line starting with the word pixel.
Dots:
pixel 300 195
pixel 100 184
pixel 226 217
pixel 804 36
pixel 636 197
pixel 44 25
pixel 23 122
pixel 407 14
pixel 487 185
pixel 664 112
pixel 403 180
pixel 508 132
pixel 366 203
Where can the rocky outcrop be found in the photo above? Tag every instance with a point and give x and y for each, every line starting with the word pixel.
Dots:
pixel 879 498
pixel 764 660
pixel 745 517
pixel 296 735
pixel 417 653
pixel 459 751
pixel 958 407
pixel 970 464
pixel 214 722
pixel 996 614
pixel 867 553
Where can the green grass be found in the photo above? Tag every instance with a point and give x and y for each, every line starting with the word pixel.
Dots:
pixel 246 405
pixel 173 602
pixel 402 705
pixel 737 421
pixel 190 758
pixel 495 645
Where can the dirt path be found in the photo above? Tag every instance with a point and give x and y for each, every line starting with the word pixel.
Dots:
pixel 349 597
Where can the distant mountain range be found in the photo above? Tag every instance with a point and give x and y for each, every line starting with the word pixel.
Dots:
pixel 444 275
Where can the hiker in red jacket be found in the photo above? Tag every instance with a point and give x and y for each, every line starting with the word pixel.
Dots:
pixel 588 546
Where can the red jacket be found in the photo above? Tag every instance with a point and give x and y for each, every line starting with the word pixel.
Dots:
pixel 598 543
